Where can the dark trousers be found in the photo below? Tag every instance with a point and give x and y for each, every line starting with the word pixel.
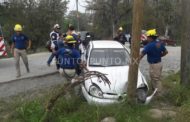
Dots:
pixel 51 58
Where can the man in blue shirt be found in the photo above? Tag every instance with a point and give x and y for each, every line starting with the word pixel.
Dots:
pixel 69 56
pixel 154 50
pixel 20 44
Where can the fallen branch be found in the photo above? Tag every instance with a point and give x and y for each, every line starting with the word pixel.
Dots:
pixel 69 86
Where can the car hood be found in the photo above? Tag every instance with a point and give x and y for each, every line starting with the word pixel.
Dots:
pixel 118 76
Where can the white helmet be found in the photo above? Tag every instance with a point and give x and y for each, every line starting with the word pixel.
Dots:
pixel 56 26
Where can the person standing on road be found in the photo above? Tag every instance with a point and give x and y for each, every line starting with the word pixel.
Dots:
pixel 155 51
pixel 54 35
pixel 20 43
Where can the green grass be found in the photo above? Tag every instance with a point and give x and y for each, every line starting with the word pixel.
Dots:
pixel 77 110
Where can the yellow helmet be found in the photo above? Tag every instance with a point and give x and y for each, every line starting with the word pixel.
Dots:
pixel 120 29
pixel 70 39
pixel 18 27
pixel 151 32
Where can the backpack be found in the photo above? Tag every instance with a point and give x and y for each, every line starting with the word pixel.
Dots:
pixel 48 46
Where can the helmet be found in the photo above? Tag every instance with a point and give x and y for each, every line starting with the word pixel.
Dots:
pixel 121 29
pixel 18 27
pixel 56 26
pixel 70 39
pixel 151 32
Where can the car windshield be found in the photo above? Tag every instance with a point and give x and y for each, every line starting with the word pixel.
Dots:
pixel 109 57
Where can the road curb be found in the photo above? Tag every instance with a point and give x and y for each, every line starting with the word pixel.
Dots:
pixel 30 77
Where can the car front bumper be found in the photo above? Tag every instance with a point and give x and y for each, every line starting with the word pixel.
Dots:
pixel 100 101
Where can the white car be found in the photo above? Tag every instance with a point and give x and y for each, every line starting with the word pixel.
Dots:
pixel 111 58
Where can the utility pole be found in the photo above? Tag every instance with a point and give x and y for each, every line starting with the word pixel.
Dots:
pixel 185 44
pixel 77 7
pixel 138 6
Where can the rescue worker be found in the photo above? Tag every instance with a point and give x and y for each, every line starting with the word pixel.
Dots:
pixel 54 36
pixel 69 57
pixel 155 51
pixel 120 36
pixel 20 43
pixel 72 32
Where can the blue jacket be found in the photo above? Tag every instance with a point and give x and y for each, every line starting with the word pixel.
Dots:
pixel 154 51
pixel 68 58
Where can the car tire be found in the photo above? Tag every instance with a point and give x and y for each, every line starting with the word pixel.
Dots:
pixel 141 95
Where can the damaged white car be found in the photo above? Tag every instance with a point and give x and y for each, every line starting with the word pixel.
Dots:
pixel 110 58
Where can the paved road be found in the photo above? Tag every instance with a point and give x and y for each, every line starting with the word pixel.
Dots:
pixel 37 64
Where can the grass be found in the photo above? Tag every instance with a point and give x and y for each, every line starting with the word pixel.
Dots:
pixel 76 110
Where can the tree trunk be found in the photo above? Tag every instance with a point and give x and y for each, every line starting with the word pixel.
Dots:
pixel 136 34
pixel 167 31
pixel 185 44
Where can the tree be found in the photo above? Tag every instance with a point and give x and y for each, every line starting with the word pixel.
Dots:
pixel 37 18
pixel 108 15
pixel 185 44
pixel 83 20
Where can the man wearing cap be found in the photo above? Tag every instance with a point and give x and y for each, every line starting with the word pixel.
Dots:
pixel 19 46
pixel 154 50
pixel 54 36
pixel 120 36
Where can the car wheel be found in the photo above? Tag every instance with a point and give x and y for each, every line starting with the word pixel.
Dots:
pixel 141 95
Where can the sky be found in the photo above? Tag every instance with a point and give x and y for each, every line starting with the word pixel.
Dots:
pixel 72 5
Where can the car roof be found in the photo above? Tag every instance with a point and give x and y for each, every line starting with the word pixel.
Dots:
pixel 106 44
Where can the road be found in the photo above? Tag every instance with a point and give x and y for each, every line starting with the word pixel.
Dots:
pixel 37 64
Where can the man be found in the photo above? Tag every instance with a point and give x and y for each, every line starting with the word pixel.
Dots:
pixel 54 36
pixel 72 32
pixel 155 51
pixel 120 36
pixel 20 44
pixel 69 57
pixel 83 46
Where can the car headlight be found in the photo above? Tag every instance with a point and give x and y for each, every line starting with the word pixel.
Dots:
pixel 96 91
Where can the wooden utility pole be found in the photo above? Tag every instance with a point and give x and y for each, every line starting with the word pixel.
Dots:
pixel 185 44
pixel 138 6
pixel 77 8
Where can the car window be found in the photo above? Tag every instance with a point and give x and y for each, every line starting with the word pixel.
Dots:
pixel 109 57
